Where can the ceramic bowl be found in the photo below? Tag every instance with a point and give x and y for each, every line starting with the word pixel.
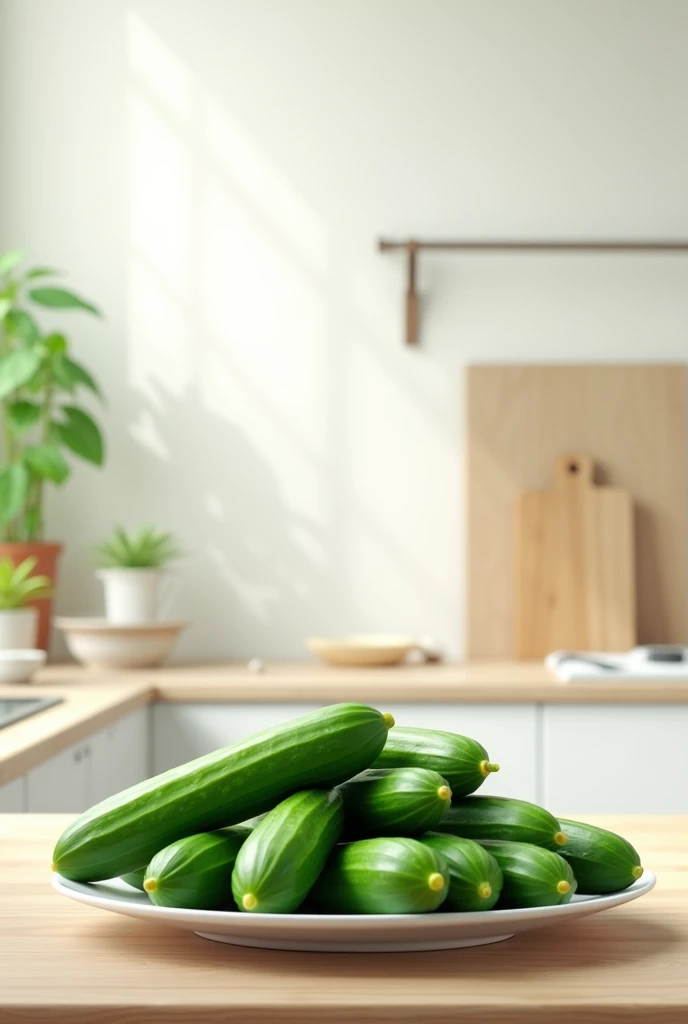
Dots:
pixel 101 644
pixel 363 650
pixel 19 665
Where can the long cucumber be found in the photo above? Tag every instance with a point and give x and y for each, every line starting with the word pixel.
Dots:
pixel 196 872
pixel 394 801
pixel 279 863
pixel 462 761
pixel 125 831
pixel 475 877
pixel 533 876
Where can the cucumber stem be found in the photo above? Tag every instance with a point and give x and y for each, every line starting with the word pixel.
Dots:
pixel 560 839
pixel 637 871
pixel 486 767
pixel 388 719
pixel 249 901
pixel 563 886
pixel 150 884
pixel 53 866
pixel 436 881
pixel 484 890
pixel 444 793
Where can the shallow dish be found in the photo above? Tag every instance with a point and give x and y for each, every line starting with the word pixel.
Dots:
pixel 101 644
pixel 378 933
pixel 19 664
pixel 363 650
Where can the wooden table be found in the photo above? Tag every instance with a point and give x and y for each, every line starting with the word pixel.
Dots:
pixel 60 961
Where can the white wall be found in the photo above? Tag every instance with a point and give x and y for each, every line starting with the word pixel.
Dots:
pixel 215 173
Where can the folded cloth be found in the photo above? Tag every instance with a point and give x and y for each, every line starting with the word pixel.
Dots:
pixel 623 667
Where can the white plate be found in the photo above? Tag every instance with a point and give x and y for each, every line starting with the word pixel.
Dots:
pixel 378 933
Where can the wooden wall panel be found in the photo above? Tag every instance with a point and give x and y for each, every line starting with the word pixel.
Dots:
pixel 631 419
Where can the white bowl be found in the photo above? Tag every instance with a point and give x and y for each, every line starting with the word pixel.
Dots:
pixel 101 644
pixel 17 666
pixel 363 649
pixel 344 933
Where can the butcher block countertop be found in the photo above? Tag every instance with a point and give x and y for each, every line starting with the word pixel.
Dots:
pixel 64 962
pixel 92 700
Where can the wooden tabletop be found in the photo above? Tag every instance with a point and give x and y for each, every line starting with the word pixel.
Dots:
pixel 64 962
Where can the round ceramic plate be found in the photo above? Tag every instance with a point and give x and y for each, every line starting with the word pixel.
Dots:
pixel 379 933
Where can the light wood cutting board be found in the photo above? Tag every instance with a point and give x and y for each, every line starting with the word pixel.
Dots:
pixel 574 565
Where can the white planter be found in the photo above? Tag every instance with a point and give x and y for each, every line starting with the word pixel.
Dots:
pixel 132 596
pixel 18 628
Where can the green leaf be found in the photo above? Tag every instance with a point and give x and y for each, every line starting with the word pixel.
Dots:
pixel 45 460
pixel 20 325
pixel 9 259
pixel 16 368
pixel 56 344
pixel 60 298
pixel 5 307
pixel 70 375
pixel 23 415
pixel 81 435
pixel 14 482
pixel 40 272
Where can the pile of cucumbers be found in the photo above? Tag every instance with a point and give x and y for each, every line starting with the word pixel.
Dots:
pixel 334 813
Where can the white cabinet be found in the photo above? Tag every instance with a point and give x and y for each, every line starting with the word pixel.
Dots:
pixel 13 796
pixel 184 731
pixel 118 756
pixel 509 733
pixel 615 758
pixel 59 784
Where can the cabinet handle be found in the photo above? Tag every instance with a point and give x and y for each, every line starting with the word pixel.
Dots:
pixel 87 750
pixel 78 754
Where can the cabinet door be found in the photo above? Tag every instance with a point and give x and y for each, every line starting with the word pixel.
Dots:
pixel 509 733
pixel 184 731
pixel 59 784
pixel 615 759
pixel 13 796
pixel 118 756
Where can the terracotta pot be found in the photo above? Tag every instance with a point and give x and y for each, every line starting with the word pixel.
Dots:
pixel 47 555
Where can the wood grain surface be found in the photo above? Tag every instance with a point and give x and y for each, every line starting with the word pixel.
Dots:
pixel 631 419
pixel 574 565
pixel 68 963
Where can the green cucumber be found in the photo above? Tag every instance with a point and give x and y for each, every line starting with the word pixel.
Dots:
pixel 602 861
pixel 323 748
pixel 394 801
pixel 533 876
pixel 463 762
pixel 382 876
pixel 500 817
pixel 135 878
pixel 280 861
pixel 475 877
pixel 196 872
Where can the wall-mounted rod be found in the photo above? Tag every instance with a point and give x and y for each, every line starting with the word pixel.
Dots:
pixel 414 246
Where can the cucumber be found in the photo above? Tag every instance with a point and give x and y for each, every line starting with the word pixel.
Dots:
pixel 475 877
pixel 196 872
pixel 533 876
pixel 394 801
pixel 280 861
pixel 135 879
pixel 382 876
pixel 463 762
pixel 323 748
pixel 500 817
pixel 602 861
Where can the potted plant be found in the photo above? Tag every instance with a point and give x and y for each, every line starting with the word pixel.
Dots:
pixel 131 569
pixel 18 587
pixel 42 421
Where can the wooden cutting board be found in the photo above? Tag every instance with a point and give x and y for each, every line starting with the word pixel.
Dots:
pixel 574 565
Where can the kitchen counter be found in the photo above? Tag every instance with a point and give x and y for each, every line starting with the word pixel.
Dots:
pixel 64 962
pixel 92 700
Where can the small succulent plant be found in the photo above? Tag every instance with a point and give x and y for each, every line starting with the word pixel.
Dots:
pixel 18 586
pixel 147 548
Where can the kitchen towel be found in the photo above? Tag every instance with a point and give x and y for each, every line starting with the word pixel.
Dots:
pixel 628 666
